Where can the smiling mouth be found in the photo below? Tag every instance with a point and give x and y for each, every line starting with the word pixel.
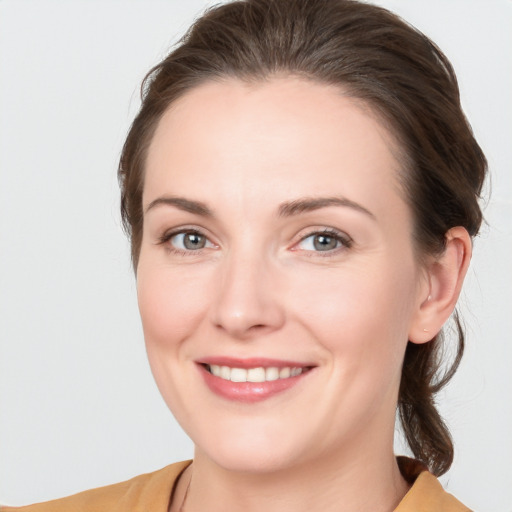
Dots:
pixel 259 374
pixel 251 380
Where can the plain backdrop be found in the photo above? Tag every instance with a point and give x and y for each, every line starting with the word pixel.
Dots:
pixel 78 406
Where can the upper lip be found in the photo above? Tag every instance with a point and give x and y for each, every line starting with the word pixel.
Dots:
pixel 252 362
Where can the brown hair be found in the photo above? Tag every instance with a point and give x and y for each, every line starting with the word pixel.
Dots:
pixel 404 78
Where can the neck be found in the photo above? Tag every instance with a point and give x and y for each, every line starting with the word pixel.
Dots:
pixel 335 483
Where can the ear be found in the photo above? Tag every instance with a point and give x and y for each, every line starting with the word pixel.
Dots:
pixel 444 277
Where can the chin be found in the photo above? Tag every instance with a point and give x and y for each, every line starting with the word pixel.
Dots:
pixel 250 460
pixel 262 452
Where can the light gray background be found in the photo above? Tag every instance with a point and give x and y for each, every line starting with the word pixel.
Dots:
pixel 78 406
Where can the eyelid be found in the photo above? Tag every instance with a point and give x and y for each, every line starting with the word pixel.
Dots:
pixel 345 240
pixel 165 238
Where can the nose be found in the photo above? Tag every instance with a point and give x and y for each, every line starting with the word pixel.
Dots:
pixel 248 302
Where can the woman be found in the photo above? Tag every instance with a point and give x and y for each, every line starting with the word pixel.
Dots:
pixel 300 187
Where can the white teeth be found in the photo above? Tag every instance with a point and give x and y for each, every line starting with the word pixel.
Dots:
pixel 254 374
pixel 284 373
pixel 238 375
pixel 272 373
pixel 215 370
pixel 225 372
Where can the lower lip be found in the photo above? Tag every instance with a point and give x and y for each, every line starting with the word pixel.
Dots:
pixel 248 392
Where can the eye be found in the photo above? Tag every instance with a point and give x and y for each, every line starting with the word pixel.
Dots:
pixel 186 241
pixel 324 241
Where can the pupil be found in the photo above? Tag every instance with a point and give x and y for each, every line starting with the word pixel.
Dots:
pixel 324 243
pixel 194 241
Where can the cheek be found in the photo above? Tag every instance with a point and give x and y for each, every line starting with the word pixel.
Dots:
pixel 171 302
pixel 172 305
pixel 361 315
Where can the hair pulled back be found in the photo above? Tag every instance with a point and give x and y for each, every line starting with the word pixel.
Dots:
pixel 404 78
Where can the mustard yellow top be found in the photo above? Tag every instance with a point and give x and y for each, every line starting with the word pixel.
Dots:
pixel 151 492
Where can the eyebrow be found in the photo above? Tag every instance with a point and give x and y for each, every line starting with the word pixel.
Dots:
pixel 181 203
pixel 308 204
pixel 287 209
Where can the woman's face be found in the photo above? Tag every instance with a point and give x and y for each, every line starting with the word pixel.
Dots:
pixel 277 248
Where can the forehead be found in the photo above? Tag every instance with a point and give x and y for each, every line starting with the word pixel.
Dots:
pixel 280 138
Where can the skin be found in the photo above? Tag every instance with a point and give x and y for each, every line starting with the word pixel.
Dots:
pixel 261 288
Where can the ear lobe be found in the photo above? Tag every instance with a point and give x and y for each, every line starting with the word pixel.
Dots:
pixel 445 276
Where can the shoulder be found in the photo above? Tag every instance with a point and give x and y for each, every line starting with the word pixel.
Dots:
pixel 426 493
pixel 150 491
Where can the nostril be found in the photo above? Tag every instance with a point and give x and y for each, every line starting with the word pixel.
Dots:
pixel 246 308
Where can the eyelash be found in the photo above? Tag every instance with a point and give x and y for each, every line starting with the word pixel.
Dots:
pixel 166 237
pixel 344 240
